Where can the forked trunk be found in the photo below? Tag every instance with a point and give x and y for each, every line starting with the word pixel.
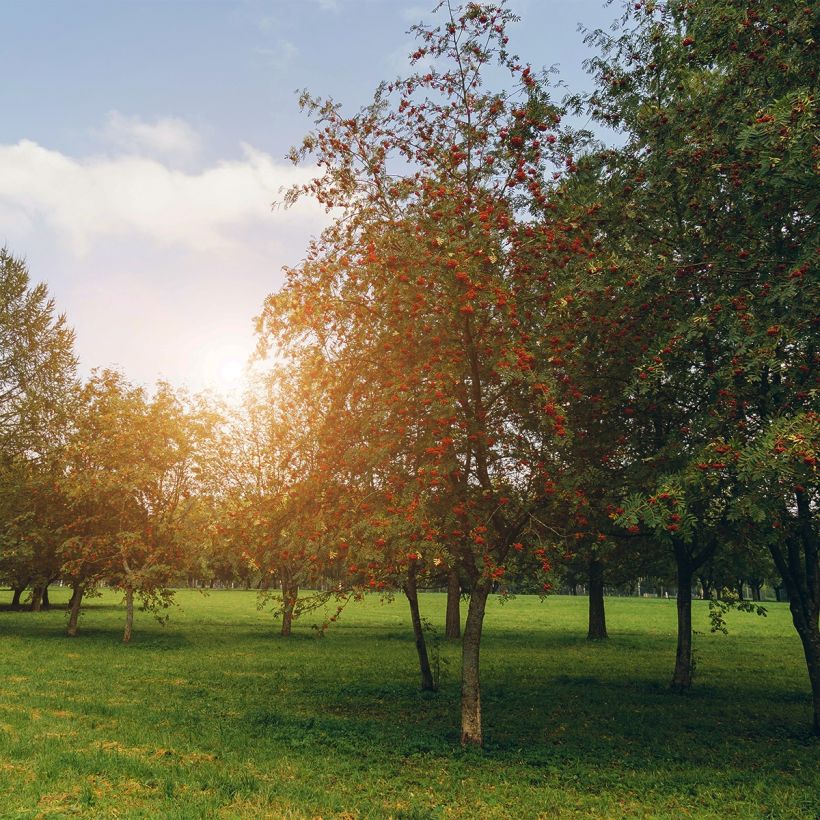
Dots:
pixel 129 614
pixel 597 615
pixel 452 621
pixel 471 729
pixel 682 676
pixel 77 591
pixel 290 594
pixel 15 598
pixel 411 591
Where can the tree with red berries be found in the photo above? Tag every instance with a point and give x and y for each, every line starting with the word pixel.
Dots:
pixel 410 301
pixel 708 211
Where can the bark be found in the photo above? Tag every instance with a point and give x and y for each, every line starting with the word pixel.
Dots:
pixel 77 591
pixel 37 598
pixel 811 648
pixel 290 594
pixel 411 591
pixel 46 604
pixel 15 599
pixel 597 614
pixel 129 614
pixel 471 729
pixel 452 622
pixel 682 676
pixel 798 567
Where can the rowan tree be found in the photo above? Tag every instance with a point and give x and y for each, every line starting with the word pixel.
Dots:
pixel 410 299
pixel 269 498
pixel 710 207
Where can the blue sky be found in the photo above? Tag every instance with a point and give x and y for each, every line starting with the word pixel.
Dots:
pixel 142 143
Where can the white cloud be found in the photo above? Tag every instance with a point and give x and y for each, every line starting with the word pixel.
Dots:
pixel 280 57
pixel 137 198
pixel 165 138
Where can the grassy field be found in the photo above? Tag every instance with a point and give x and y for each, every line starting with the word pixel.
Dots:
pixel 214 715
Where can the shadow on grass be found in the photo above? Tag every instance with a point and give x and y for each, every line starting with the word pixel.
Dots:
pixel 627 721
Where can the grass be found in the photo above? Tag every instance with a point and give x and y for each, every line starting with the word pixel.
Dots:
pixel 214 715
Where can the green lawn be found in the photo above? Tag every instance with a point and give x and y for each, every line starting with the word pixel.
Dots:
pixel 214 715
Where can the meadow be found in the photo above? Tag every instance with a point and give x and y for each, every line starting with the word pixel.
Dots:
pixel 215 715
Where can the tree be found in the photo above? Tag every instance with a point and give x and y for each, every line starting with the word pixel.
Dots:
pixel 37 386
pixel 128 482
pixel 262 474
pixel 408 307
pixel 716 181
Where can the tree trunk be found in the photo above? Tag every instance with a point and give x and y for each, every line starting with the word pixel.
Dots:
pixel 682 676
pixel 36 598
pixel 798 567
pixel 471 731
pixel 46 604
pixel 597 615
pixel 15 599
pixel 410 590
pixel 810 638
pixel 452 622
pixel 129 614
pixel 290 593
pixel 707 588
pixel 77 591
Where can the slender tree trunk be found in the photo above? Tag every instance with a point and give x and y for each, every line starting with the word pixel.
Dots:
pixel 597 615
pixel 77 591
pixel 15 598
pixel 46 604
pixel 707 588
pixel 129 614
pixel 682 676
pixel 411 591
pixel 452 622
pixel 290 594
pixel 471 729
pixel 36 598
pixel 810 638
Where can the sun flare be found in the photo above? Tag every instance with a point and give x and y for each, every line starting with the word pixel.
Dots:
pixel 223 366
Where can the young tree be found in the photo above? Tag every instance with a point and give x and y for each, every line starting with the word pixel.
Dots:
pixel 128 482
pixel 410 299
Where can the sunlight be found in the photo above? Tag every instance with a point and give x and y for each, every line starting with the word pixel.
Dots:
pixel 223 366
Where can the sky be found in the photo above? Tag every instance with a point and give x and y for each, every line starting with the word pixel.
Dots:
pixel 143 143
